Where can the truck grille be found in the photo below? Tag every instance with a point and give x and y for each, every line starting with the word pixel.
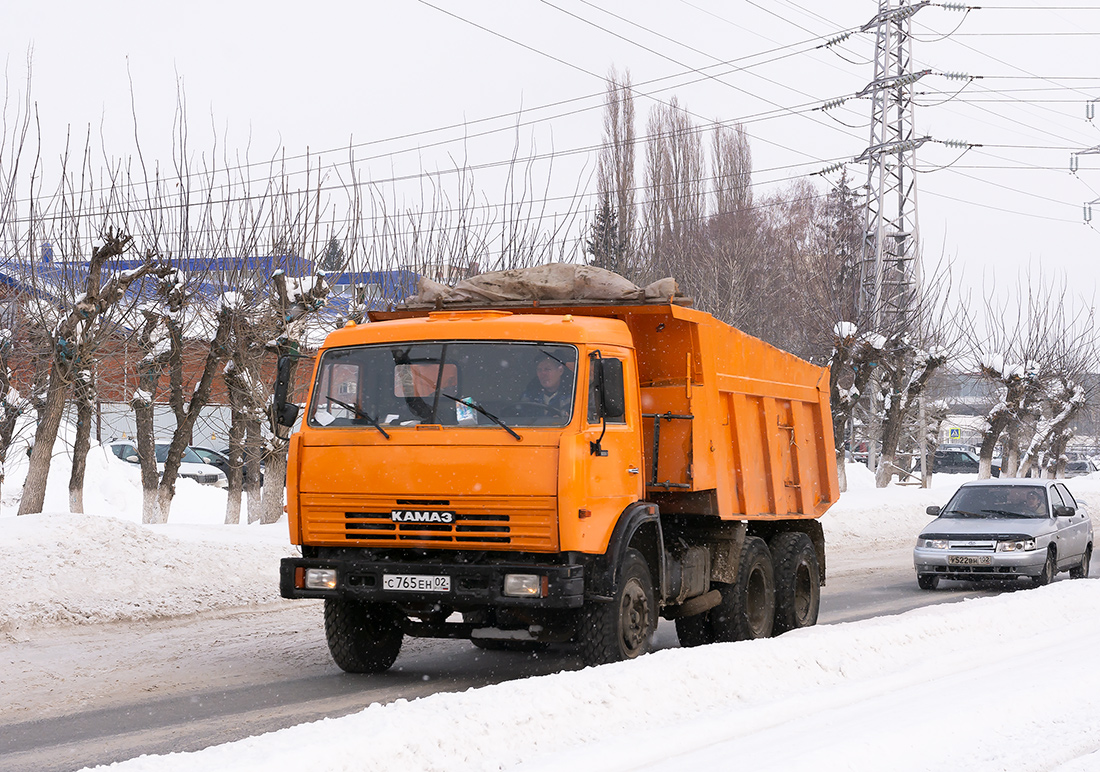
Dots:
pixel 466 528
pixel 529 523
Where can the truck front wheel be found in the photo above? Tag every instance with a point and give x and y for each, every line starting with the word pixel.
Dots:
pixel 747 610
pixel 797 581
pixel 362 637
pixel 622 629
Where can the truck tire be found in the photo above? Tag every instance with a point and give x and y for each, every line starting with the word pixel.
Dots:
pixel 797 582
pixel 362 637
pixel 747 610
pixel 694 630
pixel 622 629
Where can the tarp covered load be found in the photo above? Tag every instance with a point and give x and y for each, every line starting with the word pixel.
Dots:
pixel 552 282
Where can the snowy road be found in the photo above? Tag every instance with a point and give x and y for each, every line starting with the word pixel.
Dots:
pixel 104 693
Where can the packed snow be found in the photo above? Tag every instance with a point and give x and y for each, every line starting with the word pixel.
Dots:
pixel 994 683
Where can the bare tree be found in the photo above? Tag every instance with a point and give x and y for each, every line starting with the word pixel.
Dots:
pixel 1014 353
pixel 732 229
pixel 615 174
pixel 64 364
pixel 676 202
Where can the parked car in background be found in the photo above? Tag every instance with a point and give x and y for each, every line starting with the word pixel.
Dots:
pixel 191 466
pixel 1005 529
pixel 959 459
pixel 1080 467
pixel 220 459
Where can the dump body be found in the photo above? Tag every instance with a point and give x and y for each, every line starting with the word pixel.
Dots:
pixel 758 443
pixel 680 467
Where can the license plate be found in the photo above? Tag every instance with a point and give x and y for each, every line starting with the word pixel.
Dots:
pixel 416 583
pixel 970 560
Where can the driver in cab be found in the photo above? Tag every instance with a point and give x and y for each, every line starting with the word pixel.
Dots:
pixel 551 387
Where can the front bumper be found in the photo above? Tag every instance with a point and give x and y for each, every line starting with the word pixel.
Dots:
pixel 1003 565
pixel 473 586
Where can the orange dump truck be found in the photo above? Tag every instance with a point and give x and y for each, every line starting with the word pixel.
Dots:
pixel 553 473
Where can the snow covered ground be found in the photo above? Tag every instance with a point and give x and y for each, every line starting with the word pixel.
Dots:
pixel 1006 682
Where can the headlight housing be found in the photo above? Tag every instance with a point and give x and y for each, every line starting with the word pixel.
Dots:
pixel 1018 545
pixel 933 544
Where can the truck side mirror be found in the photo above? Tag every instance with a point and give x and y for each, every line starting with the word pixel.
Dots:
pixel 283 413
pixel 612 397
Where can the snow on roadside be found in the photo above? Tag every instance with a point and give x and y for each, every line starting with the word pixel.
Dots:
pixel 886 692
pixel 82 569
pixel 104 566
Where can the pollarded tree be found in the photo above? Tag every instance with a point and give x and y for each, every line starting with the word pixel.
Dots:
pixel 66 339
pixel 297 303
pixel 13 405
pixel 906 371
pixel 852 363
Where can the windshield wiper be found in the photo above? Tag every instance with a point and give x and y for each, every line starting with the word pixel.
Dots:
pixel 1006 513
pixel 964 513
pixel 361 413
pixel 472 403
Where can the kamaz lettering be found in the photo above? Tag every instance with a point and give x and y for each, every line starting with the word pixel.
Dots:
pixel 417 516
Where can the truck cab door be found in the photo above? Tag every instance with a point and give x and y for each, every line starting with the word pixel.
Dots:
pixel 615 447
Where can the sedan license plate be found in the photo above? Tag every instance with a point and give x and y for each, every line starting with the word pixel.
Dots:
pixel 416 583
pixel 970 560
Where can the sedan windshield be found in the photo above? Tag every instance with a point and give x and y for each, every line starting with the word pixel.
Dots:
pixel 456 383
pixel 998 501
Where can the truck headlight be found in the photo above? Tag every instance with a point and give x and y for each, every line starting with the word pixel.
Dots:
pixel 320 579
pixel 1023 545
pixel 525 585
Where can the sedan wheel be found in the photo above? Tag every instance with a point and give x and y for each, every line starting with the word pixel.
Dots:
pixel 928 581
pixel 1047 576
pixel 1082 570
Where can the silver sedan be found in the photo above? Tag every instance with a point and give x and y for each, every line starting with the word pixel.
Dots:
pixel 1005 529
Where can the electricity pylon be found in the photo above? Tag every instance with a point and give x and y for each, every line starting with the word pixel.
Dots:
pixel 889 270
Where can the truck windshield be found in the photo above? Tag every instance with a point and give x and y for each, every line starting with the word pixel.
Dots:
pixel 453 383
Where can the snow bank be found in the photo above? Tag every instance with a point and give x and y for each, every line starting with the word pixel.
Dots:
pixel 79 569
pixel 912 692
pixel 104 566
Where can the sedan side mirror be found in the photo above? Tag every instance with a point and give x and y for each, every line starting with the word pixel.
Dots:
pixel 132 459
pixel 1061 510
pixel 934 511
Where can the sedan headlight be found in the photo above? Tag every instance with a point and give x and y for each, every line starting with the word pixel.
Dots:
pixel 1023 545
pixel 933 544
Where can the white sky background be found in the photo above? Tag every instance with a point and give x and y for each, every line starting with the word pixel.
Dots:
pixel 323 75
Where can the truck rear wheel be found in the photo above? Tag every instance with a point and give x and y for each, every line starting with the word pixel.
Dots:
pixel 622 629
pixel 362 637
pixel 797 582
pixel 747 610
pixel 694 630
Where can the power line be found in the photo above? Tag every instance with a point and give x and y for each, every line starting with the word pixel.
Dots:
pixel 679 63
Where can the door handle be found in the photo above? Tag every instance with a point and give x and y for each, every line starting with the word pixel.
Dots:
pixel 632 470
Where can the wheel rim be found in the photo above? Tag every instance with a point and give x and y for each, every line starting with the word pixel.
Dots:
pixel 634 618
pixel 756 606
pixel 803 592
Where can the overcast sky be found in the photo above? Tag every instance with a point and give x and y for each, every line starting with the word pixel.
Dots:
pixel 385 77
